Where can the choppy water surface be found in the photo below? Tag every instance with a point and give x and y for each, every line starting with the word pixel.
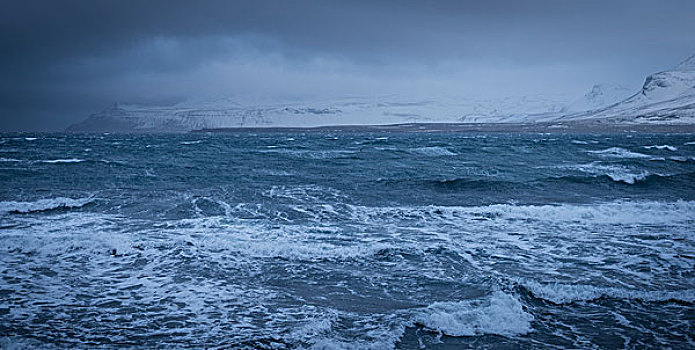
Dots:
pixel 342 241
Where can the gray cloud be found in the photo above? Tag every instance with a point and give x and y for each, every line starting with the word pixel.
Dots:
pixel 64 59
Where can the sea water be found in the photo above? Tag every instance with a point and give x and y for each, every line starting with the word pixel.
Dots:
pixel 347 241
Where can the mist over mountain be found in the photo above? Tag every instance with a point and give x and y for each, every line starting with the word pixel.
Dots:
pixel 63 61
pixel 666 97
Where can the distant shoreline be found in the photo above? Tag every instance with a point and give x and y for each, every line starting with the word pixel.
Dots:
pixel 569 127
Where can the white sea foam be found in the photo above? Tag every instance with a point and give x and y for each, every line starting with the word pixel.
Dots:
pixel 191 142
pixel 618 152
pixel 616 173
pixel 59 161
pixel 432 151
pixel 628 178
pixel 43 204
pixel 559 293
pixel 500 314
pixel 618 212
pixel 689 143
pixel 661 147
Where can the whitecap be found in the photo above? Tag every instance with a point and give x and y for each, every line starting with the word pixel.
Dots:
pixel 614 172
pixel 60 161
pixel 31 138
pixel 618 212
pixel 559 293
pixel 499 313
pixel 619 152
pixel 432 151
pixel 628 178
pixel 43 204
pixel 661 147
pixel 191 142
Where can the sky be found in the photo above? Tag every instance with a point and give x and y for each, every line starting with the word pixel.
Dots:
pixel 63 60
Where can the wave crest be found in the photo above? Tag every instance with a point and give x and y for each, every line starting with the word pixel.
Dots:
pixel 558 293
pixel 618 152
pixel 43 205
pixel 500 314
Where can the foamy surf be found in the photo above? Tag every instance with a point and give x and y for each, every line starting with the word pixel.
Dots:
pixel 417 241
pixel 499 314
pixel 618 152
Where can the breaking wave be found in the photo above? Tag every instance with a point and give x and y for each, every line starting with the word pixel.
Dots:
pixel 662 147
pixel 432 151
pixel 500 314
pixel 558 293
pixel 618 152
pixel 42 205
pixel 59 161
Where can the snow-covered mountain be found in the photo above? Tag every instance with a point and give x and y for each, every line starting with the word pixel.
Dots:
pixel 349 111
pixel 666 97
pixel 600 95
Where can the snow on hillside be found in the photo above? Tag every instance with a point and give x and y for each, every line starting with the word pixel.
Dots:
pixel 193 115
pixel 599 96
pixel 666 97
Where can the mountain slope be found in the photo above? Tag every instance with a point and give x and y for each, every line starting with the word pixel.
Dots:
pixel 350 111
pixel 666 97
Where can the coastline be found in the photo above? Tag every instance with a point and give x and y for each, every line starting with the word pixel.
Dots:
pixel 569 127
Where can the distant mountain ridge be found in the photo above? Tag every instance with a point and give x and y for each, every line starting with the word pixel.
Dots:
pixel 666 97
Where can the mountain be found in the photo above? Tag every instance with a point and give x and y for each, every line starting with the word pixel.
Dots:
pixel 223 113
pixel 666 97
pixel 600 95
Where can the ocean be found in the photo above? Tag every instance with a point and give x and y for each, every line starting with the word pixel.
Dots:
pixel 347 240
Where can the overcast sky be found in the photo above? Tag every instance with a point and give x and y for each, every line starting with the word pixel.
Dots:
pixel 62 60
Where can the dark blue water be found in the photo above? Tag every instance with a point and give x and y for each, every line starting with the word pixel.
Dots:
pixel 347 241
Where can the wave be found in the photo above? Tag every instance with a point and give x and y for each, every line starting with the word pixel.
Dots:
pixel 680 159
pixel 467 183
pixel 435 151
pixel 619 212
pixel 499 313
pixel 60 161
pixel 191 142
pixel 615 173
pixel 628 178
pixel 558 293
pixel 661 147
pixel 594 176
pixel 619 152
pixel 42 205
pixel 310 154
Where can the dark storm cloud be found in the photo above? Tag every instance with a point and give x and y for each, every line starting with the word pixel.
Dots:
pixel 63 59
